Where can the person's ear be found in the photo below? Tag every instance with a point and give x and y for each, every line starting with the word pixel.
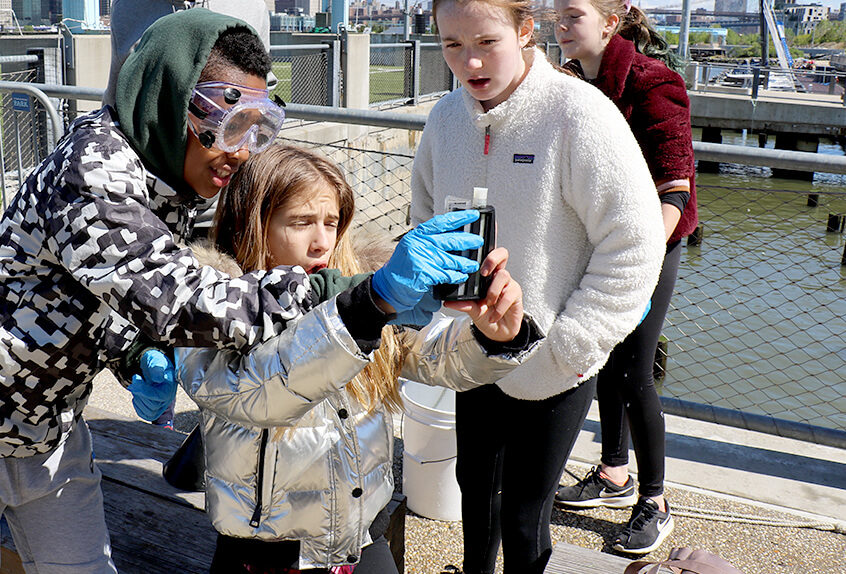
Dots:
pixel 526 30
pixel 610 26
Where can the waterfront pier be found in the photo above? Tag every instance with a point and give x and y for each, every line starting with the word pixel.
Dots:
pixel 796 120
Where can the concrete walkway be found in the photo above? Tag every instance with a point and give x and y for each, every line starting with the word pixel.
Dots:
pixel 805 478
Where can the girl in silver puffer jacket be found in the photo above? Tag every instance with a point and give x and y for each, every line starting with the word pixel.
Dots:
pixel 298 430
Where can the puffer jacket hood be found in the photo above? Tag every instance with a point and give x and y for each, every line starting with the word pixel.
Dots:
pixel 155 84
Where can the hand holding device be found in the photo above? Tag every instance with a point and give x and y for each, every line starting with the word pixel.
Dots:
pixel 499 315
pixel 422 259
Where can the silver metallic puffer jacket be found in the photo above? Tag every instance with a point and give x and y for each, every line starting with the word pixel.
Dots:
pixel 329 476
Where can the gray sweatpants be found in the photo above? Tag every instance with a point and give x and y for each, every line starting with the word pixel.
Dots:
pixel 54 508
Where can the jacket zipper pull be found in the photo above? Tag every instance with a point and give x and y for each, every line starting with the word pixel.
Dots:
pixel 487 139
pixel 255 519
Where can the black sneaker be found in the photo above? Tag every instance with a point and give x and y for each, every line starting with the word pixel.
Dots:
pixel 647 528
pixel 593 491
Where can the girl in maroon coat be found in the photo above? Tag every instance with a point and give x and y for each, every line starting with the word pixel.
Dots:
pixel 611 45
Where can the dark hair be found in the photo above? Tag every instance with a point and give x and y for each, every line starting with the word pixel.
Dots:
pixel 635 26
pixel 240 48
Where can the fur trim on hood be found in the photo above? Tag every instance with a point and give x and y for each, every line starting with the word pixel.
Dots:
pixel 210 256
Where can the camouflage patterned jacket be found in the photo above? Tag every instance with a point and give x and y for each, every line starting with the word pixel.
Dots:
pixel 87 260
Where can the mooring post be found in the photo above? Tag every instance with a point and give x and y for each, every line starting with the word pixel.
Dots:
pixel 834 224
pixel 695 238
pixel 710 135
pixel 813 199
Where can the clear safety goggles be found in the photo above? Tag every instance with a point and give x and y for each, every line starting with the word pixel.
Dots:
pixel 232 117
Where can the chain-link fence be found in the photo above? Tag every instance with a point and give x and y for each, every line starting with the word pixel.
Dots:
pixel 303 74
pixel 380 180
pixel 23 136
pixel 390 72
pixel 435 75
pixel 757 320
pixel 404 72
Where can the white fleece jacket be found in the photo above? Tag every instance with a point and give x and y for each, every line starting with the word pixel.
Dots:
pixel 575 205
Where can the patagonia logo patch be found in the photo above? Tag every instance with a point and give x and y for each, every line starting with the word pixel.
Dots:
pixel 524 158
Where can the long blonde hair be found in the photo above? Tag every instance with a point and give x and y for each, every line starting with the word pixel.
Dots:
pixel 269 181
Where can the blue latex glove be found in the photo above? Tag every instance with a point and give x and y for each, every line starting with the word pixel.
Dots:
pixel 646 311
pixel 419 315
pixel 422 260
pixel 154 389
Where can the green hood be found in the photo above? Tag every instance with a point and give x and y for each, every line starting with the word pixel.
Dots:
pixel 155 84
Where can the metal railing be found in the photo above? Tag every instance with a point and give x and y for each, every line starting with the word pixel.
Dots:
pixel 773 82
pixel 404 72
pixel 400 73
pixel 755 336
pixel 308 73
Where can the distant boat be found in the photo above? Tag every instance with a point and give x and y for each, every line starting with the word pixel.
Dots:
pixel 744 77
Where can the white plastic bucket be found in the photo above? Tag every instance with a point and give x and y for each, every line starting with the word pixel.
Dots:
pixel 429 450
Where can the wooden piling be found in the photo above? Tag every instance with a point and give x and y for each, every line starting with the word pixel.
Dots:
pixel 695 238
pixel 835 223
pixel 710 135
pixel 796 142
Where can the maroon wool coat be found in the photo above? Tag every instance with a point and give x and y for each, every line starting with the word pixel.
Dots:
pixel 654 101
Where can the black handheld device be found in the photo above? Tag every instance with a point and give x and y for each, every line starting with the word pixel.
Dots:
pixel 476 286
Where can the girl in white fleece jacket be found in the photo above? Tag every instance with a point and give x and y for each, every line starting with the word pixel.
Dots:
pixel 578 211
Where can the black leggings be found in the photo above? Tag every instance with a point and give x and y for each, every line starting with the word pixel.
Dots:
pixel 511 454
pixel 626 391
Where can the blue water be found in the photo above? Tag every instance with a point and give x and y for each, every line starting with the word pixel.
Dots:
pixel 757 322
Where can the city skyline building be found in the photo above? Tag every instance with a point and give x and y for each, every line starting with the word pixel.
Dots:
pixel 7 17
pixel 79 15
pixel 729 5
pixel 30 12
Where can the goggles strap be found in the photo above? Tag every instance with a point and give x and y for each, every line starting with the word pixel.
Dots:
pixel 194 109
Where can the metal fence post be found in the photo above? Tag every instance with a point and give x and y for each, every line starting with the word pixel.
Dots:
pixel 39 119
pixel 333 74
pixel 18 146
pixel 415 72
pixel 2 164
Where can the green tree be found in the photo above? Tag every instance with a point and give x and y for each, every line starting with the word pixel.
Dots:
pixel 831 31
pixel 733 38
pixel 671 38
pixel 700 38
